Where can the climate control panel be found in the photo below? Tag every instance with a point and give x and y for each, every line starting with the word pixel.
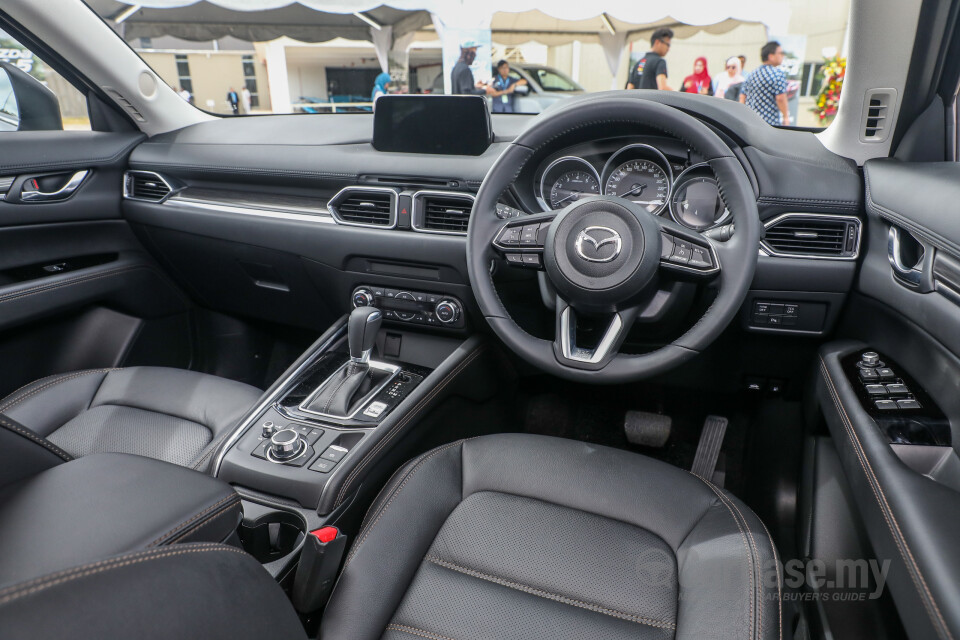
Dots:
pixel 414 307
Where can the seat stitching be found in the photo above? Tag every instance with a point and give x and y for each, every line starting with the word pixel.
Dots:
pixel 413 470
pixel 746 546
pixel 776 564
pixel 902 546
pixel 43 442
pixel 404 420
pixel 213 446
pixel 63 378
pixel 387 489
pixel 214 517
pixel 556 597
pixel 416 632
pixel 28 588
pixel 197 516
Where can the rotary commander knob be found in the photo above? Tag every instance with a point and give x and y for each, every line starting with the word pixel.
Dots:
pixel 285 444
pixel 448 311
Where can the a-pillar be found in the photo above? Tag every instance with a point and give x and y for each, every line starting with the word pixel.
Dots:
pixel 277 80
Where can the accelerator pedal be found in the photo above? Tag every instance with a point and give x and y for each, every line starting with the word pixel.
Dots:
pixel 708 451
pixel 647 429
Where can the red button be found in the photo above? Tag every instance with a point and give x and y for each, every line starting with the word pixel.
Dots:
pixel 326 534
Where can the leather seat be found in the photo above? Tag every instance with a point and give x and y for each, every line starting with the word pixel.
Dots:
pixel 520 536
pixel 169 414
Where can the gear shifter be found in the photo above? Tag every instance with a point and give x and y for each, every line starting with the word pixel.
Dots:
pixel 353 381
pixel 362 328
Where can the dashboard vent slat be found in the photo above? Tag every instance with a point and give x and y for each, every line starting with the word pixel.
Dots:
pixel 812 236
pixel 365 206
pixel 146 185
pixel 440 212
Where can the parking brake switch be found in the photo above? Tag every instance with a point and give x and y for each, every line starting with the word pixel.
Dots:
pixel 319 561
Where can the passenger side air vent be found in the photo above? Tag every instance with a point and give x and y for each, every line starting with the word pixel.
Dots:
pixel 365 206
pixel 145 185
pixel 877 108
pixel 441 212
pixel 808 235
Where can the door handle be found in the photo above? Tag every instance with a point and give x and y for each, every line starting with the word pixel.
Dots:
pixel 64 192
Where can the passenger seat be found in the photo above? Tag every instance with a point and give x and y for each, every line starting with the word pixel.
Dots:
pixel 169 414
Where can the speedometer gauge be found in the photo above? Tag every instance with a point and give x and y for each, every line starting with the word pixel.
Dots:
pixel 641 174
pixel 566 180
pixel 571 186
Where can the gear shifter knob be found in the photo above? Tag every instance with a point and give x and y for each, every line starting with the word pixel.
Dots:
pixel 362 328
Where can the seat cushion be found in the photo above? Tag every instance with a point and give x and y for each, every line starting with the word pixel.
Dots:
pixel 529 537
pixel 169 414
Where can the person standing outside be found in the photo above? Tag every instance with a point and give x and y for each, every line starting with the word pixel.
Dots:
pixel 234 99
pixel 729 80
pixel 651 70
pixel 698 81
pixel 504 98
pixel 381 86
pixel 246 100
pixel 765 90
pixel 461 77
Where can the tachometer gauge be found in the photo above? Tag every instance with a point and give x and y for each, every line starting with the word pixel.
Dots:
pixel 571 186
pixel 696 201
pixel 566 180
pixel 641 174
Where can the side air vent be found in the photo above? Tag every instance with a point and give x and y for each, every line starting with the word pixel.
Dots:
pixel 365 206
pixel 808 235
pixel 877 108
pixel 145 185
pixel 441 212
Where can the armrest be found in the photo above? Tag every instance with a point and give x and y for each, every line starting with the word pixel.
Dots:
pixel 104 504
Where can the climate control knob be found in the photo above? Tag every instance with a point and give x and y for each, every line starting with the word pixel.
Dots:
pixel 285 444
pixel 447 311
pixel 362 298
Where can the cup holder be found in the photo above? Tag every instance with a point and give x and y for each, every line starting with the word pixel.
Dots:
pixel 273 535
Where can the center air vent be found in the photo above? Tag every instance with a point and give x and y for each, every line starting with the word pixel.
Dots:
pixel 807 235
pixel 145 185
pixel 365 206
pixel 441 212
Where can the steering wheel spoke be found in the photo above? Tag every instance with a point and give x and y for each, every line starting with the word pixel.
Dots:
pixel 610 334
pixel 687 253
pixel 520 241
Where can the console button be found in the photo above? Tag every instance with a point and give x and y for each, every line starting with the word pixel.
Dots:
pixel 700 257
pixel 791 309
pixel 309 434
pixel 261 450
pixel 528 234
pixel 869 374
pixel 775 320
pixel 267 429
pixel 510 236
pixel 333 453
pixel 323 466
pixel 681 252
pixel 886 373
pixel 876 389
pixel 908 404
pixel 375 409
pixel 885 405
pixel 897 389
pixel 761 308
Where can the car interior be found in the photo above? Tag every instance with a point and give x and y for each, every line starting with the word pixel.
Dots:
pixel 640 366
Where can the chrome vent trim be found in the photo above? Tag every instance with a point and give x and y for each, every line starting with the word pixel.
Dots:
pixel 812 236
pixel 421 219
pixel 146 186
pixel 347 213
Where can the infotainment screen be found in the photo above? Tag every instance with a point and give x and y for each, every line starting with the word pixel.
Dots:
pixel 450 125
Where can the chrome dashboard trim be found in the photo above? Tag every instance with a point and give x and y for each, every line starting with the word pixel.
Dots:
pixel 770 251
pixel 415 226
pixel 391 370
pixel 126 189
pixel 321 216
pixel 394 197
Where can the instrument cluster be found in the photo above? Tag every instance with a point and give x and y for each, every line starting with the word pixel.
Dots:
pixel 677 185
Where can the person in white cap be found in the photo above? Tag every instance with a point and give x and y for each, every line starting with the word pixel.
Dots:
pixel 461 78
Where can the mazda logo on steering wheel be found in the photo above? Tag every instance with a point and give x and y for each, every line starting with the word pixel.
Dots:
pixel 598 244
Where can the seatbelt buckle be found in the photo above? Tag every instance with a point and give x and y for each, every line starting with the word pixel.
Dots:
pixel 319 560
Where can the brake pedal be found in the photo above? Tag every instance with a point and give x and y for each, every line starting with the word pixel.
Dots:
pixel 647 429
pixel 708 450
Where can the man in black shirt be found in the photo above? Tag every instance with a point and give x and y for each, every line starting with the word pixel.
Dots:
pixel 461 78
pixel 651 70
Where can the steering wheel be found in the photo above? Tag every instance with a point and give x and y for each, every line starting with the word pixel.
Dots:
pixel 604 255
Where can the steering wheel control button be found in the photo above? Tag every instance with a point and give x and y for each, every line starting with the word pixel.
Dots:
pixel 333 453
pixel 323 466
pixel 885 405
pixel 510 236
pixel 531 260
pixel 700 257
pixel 681 252
pixel 514 258
pixel 876 389
pixel 666 246
pixel 528 234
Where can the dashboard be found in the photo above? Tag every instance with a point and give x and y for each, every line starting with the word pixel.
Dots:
pixel 659 174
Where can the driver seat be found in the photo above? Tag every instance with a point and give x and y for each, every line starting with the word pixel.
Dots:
pixel 522 536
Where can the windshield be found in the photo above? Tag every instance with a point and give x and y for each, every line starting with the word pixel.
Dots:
pixel 784 60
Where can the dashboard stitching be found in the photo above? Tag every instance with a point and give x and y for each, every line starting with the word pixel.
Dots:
pixel 71 163
pixel 145 166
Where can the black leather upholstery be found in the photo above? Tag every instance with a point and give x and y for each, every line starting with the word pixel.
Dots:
pixel 169 414
pixel 103 504
pixel 519 536
pixel 208 591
